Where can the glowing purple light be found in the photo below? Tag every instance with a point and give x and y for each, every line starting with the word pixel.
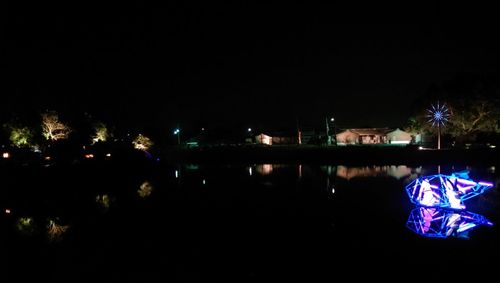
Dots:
pixel 438 114
pixel 448 191
pixel 442 223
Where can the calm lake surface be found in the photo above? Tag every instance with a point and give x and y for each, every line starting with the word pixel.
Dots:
pixel 232 223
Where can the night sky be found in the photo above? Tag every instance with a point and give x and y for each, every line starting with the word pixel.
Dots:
pixel 228 64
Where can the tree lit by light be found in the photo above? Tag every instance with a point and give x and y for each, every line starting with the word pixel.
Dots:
pixel 101 133
pixel 145 189
pixel 142 143
pixel 103 200
pixel 21 137
pixel 25 225
pixel 52 128
pixel 55 231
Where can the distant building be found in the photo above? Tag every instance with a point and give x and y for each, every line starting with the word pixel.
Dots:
pixel 399 137
pixel 373 136
pixel 264 139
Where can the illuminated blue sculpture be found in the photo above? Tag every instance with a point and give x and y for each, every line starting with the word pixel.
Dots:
pixel 441 223
pixel 446 191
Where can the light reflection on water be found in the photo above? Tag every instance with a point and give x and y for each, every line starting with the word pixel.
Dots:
pixel 248 213
pixel 338 183
pixel 436 222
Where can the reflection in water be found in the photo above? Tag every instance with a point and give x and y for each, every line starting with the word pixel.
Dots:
pixel 103 200
pixel 25 225
pixel 445 190
pixel 264 169
pixel 145 189
pixel 55 231
pixel 397 172
pixel 441 223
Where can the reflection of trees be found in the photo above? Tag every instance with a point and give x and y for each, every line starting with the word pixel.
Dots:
pixel 142 143
pixel 55 231
pixel 25 225
pixel 145 189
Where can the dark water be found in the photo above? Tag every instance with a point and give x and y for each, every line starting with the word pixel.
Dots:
pixel 234 223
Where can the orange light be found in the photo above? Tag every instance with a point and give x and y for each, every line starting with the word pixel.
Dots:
pixel 7 211
pixel 5 155
pixel 88 156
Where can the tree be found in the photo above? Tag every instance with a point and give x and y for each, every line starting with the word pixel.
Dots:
pixel 473 100
pixel 101 133
pixel 52 128
pixel 470 117
pixel 142 143
pixel 21 136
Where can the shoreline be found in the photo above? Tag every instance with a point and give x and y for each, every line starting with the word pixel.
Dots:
pixel 333 155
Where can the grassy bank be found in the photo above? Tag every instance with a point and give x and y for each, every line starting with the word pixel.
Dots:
pixel 336 155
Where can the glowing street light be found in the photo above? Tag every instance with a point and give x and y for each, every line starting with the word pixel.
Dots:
pixel 249 130
pixel 328 135
pixel 178 133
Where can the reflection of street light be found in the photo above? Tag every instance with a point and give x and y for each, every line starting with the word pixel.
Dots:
pixel 178 133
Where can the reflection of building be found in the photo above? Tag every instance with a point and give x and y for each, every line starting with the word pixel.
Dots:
pixel 264 169
pixel 397 172
pixel 373 136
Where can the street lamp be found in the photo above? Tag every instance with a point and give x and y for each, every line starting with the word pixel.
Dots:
pixel 178 133
pixel 328 136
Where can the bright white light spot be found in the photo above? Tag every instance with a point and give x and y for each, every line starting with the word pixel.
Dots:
pixel 493 146
pixel 332 119
pixel 249 129
pixel 176 174
pixel 47 158
pixel 204 182
pixel 5 155
pixel 333 190
pixel 420 148
pixel 108 154
pixel 7 211
pixel 250 171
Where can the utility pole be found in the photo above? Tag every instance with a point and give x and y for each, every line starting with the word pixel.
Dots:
pixel 328 137
pixel 299 133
